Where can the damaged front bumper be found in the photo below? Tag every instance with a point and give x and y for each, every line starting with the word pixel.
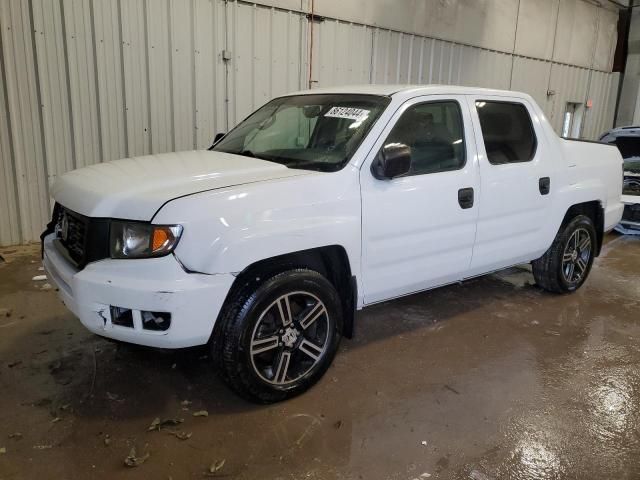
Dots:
pixel 187 302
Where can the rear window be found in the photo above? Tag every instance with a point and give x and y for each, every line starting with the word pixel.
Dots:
pixel 507 131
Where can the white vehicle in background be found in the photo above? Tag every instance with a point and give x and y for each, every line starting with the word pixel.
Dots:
pixel 318 204
pixel 627 139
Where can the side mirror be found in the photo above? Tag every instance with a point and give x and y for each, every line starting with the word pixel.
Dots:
pixel 393 160
pixel 216 139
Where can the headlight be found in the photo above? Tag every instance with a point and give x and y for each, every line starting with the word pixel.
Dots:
pixel 142 240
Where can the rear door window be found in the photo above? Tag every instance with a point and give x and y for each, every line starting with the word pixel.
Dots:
pixel 507 132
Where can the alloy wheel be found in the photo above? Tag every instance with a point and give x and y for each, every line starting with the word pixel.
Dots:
pixel 290 338
pixel 576 256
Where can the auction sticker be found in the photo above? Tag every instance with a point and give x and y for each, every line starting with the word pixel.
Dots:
pixel 350 113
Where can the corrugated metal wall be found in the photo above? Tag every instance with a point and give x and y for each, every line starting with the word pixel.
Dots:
pixel 85 81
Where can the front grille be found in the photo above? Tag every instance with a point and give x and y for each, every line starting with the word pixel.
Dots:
pixel 80 238
pixel 71 230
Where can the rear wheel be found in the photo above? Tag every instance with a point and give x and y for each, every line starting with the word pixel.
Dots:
pixel 278 338
pixel 567 263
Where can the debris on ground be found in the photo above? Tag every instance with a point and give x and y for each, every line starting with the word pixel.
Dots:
pixel 180 435
pixel 14 364
pixel 39 278
pixel 133 460
pixel 338 424
pixel 157 424
pixel 423 443
pixel 185 403
pixel 5 312
pixel 107 440
pixel 42 447
pixel 46 286
pixel 201 413
pixel 215 467
pixel 15 436
pixel 56 420
pixel 3 450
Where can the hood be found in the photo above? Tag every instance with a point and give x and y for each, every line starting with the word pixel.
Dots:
pixel 135 188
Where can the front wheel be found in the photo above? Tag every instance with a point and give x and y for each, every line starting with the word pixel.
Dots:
pixel 279 337
pixel 567 263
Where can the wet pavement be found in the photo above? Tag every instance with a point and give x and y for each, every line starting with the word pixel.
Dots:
pixel 489 379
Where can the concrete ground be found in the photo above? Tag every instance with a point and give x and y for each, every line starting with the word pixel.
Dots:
pixel 485 380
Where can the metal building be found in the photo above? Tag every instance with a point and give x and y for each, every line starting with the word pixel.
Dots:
pixel 86 81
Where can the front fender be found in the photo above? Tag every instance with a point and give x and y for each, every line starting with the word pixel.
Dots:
pixel 228 229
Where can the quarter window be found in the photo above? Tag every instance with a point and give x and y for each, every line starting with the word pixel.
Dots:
pixel 435 135
pixel 507 131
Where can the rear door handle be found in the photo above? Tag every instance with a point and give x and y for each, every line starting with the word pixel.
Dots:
pixel 465 197
pixel 544 185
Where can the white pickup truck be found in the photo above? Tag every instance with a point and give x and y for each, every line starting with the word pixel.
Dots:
pixel 318 204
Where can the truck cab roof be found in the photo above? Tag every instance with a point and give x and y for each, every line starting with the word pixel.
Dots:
pixel 410 90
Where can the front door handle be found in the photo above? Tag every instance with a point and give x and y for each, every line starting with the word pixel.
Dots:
pixel 544 185
pixel 465 197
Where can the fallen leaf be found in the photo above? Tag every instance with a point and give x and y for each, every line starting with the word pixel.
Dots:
pixel 215 466
pixel 201 413
pixel 133 460
pixel 182 435
pixel 157 424
pixel 14 364
pixel 338 424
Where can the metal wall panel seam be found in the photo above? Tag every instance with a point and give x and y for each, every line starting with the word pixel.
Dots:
pixel 145 4
pixel 125 127
pixel 68 85
pixel 95 74
pixel 16 234
pixel 171 95
pixel 192 57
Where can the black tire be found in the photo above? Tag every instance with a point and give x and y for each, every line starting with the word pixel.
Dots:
pixel 256 309
pixel 552 271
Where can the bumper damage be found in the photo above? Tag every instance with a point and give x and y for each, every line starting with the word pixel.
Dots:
pixel 163 306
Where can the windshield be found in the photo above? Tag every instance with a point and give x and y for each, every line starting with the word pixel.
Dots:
pixel 315 132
